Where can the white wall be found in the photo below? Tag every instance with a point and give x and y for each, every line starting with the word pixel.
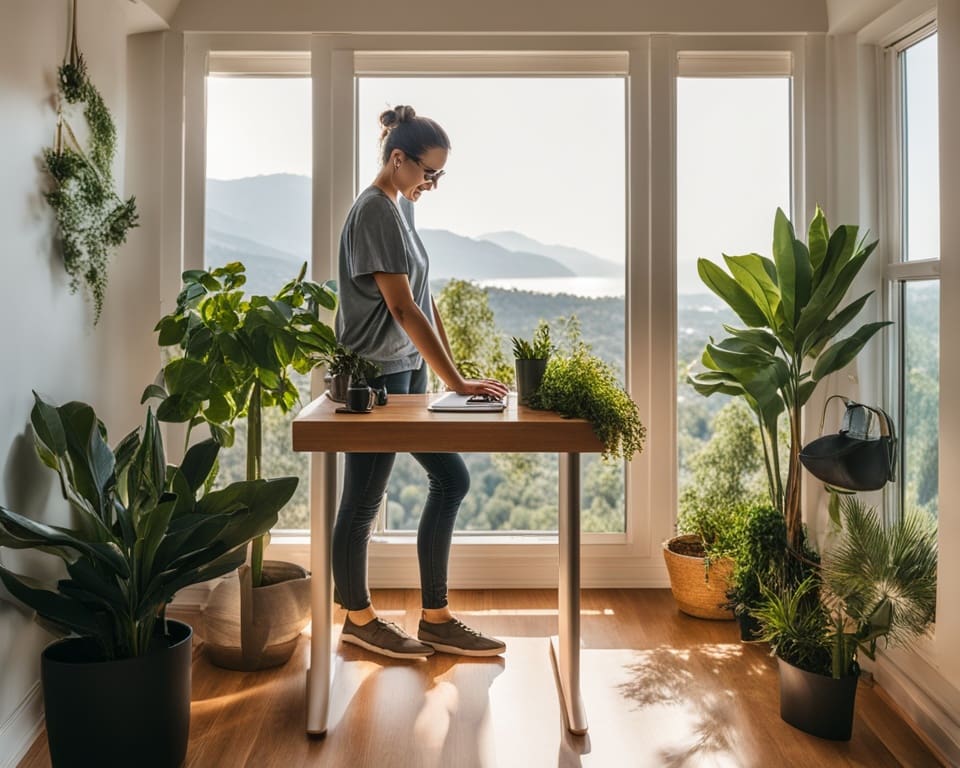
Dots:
pixel 388 16
pixel 49 342
pixel 925 682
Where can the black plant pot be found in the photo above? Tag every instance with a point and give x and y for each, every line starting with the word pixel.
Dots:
pixel 749 628
pixel 817 704
pixel 529 377
pixel 117 713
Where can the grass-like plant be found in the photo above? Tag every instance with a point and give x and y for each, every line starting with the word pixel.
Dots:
pixel 539 348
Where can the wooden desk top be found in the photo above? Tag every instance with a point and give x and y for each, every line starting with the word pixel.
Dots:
pixel 405 424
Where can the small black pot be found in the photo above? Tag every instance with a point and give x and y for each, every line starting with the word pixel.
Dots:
pixel 529 376
pixel 817 704
pixel 749 628
pixel 117 713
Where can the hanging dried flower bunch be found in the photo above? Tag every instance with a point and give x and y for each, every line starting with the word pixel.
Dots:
pixel 91 217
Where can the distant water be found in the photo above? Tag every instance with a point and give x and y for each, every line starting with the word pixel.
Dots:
pixel 588 287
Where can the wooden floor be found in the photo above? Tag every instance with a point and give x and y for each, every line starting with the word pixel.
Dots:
pixel 661 689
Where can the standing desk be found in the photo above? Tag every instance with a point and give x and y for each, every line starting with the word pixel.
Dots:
pixel 406 425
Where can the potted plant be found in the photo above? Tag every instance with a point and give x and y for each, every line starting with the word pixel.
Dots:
pixel 531 361
pixel 343 366
pixel 141 530
pixel 699 560
pixel 721 490
pixel 790 306
pixel 876 583
pixel 581 385
pixel 232 357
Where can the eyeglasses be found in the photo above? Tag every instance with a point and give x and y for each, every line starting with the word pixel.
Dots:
pixel 429 174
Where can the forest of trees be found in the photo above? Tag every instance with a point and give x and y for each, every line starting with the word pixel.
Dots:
pixel 518 492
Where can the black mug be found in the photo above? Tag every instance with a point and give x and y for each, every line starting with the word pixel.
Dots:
pixel 360 399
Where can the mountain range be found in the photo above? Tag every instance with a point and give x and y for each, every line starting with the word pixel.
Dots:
pixel 264 221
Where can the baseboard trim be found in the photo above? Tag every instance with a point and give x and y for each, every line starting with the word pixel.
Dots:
pixel 21 729
pixel 929 718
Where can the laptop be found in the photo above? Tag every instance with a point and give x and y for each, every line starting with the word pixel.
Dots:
pixel 451 401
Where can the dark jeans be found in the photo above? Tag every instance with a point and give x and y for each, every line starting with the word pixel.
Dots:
pixel 364 483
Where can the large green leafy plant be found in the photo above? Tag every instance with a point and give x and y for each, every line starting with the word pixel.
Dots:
pixel 232 356
pixel 142 530
pixel 877 583
pixel 791 307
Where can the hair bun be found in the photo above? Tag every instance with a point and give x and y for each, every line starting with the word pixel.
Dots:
pixel 391 118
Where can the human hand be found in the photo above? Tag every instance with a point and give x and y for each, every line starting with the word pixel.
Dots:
pixel 482 387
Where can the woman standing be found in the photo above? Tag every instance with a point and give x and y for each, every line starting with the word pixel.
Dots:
pixel 387 315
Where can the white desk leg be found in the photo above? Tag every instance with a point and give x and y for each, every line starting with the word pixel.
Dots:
pixel 322 513
pixel 566 650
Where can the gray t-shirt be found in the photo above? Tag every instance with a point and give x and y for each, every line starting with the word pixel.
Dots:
pixel 376 237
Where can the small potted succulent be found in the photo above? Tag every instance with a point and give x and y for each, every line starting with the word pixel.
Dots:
pixel 531 361
pixel 345 366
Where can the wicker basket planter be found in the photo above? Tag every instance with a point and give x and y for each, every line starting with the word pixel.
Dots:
pixel 699 591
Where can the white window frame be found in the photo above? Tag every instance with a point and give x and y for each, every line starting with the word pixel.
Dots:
pixel 898 271
pixel 629 559
pixel 695 56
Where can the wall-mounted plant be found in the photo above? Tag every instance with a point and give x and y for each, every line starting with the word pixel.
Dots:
pixel 91 217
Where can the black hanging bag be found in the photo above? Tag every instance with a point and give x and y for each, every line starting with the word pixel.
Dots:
pixel 854 459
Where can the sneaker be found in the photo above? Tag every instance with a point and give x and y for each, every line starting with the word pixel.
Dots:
pixel 456 637
pixel 385 638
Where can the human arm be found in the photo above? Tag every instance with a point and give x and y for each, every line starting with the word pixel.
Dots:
pixel 441 331
pixel 432 343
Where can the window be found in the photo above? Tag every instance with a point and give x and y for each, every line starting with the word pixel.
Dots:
pixel 531 211
pixel 733 171
pixel 257 211
pixel 913 275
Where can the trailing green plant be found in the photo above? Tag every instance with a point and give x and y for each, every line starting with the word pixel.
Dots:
pixel 876 583
pixel 232 356
pixel 141 530
pixel 92 219
pixel 581 385
pixel 539 348
pixel 790 306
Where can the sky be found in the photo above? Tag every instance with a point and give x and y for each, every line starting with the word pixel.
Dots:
pixel 546 157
